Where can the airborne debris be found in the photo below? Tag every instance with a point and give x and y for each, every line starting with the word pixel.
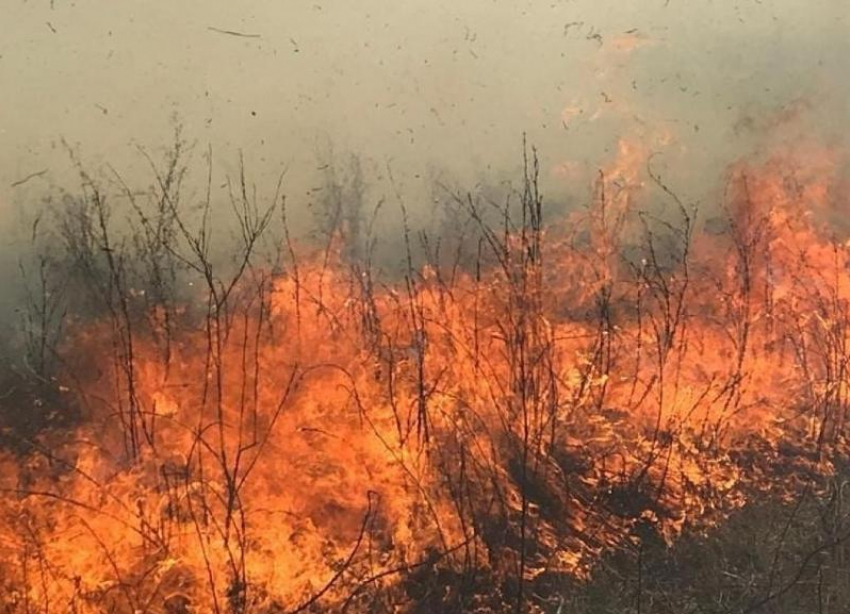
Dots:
pixel 29 177
pixel 233 33
pixel 572 24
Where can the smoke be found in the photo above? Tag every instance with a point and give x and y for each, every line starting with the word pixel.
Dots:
pixel 422 91
pixel 527 417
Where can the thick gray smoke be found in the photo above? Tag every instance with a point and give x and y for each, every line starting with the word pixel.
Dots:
pixel 427 88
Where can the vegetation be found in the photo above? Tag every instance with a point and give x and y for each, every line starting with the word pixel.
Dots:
pixel 611 412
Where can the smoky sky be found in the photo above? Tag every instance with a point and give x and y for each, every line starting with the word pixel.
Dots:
pixel 422 87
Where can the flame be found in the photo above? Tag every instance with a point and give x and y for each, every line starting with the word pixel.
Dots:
pixel 328 437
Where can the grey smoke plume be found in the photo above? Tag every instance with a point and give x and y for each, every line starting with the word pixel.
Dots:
pixel 427 88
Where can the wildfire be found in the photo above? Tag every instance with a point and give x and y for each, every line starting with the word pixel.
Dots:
pixel 320 439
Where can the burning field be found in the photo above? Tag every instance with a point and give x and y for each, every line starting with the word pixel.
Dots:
pixel 608 411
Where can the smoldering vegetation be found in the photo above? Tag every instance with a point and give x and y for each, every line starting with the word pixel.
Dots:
pixel 627 408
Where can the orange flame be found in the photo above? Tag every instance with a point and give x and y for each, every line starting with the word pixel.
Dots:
pixel 330 437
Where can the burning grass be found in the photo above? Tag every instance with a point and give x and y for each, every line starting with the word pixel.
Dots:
pixel 487 431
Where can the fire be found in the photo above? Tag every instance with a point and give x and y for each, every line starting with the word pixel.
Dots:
pixel 317 439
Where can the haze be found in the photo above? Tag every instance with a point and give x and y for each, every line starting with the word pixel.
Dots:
pixel 425 87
